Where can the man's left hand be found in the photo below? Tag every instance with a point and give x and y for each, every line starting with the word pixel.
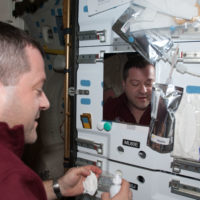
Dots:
pixel 71 184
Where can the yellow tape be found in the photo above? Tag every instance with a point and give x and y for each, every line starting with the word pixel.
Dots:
pixel 53 51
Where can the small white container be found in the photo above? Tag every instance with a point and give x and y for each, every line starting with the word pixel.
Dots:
pixel 116 186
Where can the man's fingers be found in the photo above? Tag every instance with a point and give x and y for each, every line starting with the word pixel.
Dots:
pixel 130 195
pixel 125 186
pixel 105 196
pixel 86 170
pixel 94 169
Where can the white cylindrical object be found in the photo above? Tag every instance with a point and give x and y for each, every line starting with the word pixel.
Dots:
pixel 115 188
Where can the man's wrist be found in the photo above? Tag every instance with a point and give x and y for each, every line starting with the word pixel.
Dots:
pixel 56 189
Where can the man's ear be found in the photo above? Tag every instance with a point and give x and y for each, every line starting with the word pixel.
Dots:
pixel 1 84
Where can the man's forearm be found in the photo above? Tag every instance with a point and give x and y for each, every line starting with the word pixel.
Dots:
pixel 48 185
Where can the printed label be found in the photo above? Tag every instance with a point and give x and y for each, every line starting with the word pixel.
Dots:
pixel 160 140
pixel 131 143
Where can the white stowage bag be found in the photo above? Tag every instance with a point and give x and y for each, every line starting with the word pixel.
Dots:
pixel 90 184
pixel 187 128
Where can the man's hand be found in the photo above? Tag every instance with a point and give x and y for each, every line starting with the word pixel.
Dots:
pixel 124 194
pixel 71 184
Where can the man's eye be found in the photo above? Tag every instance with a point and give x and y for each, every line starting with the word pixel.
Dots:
pixel 134 83
pixel 39 91
pixel 148 84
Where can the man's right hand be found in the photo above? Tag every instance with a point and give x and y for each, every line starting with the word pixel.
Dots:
pixel 124 194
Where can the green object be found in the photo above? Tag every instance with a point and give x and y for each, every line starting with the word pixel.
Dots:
pixel 107 126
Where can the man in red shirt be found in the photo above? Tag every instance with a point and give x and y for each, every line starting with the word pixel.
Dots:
pixel 133 106
pixel 22 99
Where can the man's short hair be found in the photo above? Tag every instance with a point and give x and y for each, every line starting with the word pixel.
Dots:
pixel 135 60
pixel 13 58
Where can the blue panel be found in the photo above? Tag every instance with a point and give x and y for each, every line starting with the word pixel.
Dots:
pixel 85 83
pixel 53 12
pixel 192 89
pixel 37 23
pixel 85 9
pixel 57 2
pixel 199 153
pixel 85 101
pixel 50 67
pixel 172 28
pixel 59 11
pixel 55 30
pixel 42 20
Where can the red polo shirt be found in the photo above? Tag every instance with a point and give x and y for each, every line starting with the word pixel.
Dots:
pixel 116 109
pixel 17 181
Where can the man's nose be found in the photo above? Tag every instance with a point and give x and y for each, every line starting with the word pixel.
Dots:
pixel 143 88
pixel 44 104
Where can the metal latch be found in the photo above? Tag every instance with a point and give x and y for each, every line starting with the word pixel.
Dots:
pixel 92 35
pixel 105 181
pixel 189 57
pixel 90 145
pixel 72 91
pixel 184 190
pixel 83 162
pixel 91 58
pixel 179 164
pixel 120 45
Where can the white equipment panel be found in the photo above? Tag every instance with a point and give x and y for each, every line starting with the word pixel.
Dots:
pixel 87 159
pixel 152 175
pixel 154 185
pixel 100 22
pixel 93 143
